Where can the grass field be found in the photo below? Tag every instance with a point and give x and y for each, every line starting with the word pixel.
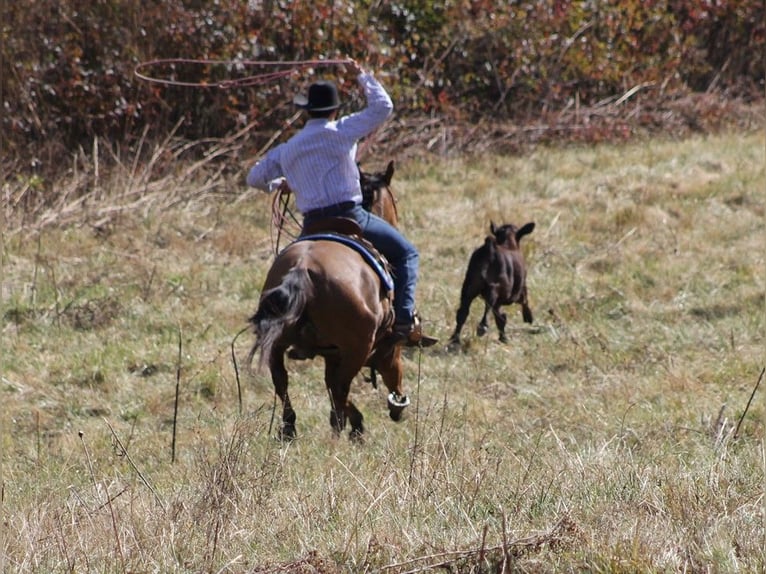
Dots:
pixel 614 434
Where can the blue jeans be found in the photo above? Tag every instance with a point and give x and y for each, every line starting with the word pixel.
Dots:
pixel 399 252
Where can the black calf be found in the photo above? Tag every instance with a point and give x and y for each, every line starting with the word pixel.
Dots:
pixel 496 272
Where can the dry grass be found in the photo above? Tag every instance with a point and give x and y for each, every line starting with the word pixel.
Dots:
pixel 601 439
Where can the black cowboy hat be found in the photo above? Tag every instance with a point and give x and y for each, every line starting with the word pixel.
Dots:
pixel 323 96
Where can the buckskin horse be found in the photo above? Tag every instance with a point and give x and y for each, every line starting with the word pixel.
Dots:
pixel 324 296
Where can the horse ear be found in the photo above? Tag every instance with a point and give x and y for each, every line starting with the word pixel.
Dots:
pixel 526 229
pixel 389 173
pixel 492 227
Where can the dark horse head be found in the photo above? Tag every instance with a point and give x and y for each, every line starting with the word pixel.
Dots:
pixel 377 196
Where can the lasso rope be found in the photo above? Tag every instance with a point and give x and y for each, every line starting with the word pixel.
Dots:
pixel 280 209
pixel 141 71
pixel 280 205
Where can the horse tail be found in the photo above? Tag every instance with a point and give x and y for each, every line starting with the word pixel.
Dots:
pixel 280 308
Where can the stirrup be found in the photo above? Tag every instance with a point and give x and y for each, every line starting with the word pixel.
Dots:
pixel 411 334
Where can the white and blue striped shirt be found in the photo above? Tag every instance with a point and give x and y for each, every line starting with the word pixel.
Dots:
pixel 319 162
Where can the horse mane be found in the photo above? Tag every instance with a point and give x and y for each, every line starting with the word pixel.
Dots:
pixel 374 186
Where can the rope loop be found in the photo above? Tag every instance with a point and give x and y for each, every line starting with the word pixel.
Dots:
pixel 141 71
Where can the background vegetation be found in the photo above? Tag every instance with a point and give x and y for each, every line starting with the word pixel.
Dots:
pixel 615 434
pixel 581 70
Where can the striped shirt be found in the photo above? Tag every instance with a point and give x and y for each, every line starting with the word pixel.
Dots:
pixel 319 162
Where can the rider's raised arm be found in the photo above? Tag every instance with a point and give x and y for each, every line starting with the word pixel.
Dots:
pixel 378 109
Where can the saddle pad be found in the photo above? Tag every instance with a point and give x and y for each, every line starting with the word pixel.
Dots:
pixel 368 256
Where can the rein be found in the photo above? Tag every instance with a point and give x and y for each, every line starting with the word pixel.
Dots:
pixel 282 214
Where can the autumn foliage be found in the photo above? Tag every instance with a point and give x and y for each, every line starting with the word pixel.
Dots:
pixel 68 67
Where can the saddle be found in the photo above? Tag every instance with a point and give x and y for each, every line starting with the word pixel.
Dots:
pixel 347 231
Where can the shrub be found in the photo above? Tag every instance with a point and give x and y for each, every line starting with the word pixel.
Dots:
pixel 67 68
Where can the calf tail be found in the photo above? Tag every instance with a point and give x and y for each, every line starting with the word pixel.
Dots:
pixel 280 308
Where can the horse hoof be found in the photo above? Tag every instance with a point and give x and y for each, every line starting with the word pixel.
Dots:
pixel 398 401
pixel 287 433
pixel 396 405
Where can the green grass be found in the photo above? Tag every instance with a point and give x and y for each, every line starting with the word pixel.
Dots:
pixel 600 439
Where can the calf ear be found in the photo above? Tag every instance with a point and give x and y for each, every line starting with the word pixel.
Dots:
pixel 526 229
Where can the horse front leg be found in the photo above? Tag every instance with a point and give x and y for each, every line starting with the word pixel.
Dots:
pixel 338 377
pixel 279 378
pixel 390 368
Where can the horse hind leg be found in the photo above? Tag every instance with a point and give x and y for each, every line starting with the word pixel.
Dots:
pixel 280 380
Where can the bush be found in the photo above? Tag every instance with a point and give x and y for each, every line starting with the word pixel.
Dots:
pixel 68 69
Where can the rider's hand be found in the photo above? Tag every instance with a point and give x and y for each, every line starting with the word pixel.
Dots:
pixel 353 66
pixel 279 183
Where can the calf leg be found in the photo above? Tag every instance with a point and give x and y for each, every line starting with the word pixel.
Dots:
pixel 470 290
pixel 483 327
pixel 460 318
pixel 526 312
pixel 500 320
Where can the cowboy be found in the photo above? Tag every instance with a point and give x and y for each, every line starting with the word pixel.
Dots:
pixel 319 165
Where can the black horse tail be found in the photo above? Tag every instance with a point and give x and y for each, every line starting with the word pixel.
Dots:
pixel 280 308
